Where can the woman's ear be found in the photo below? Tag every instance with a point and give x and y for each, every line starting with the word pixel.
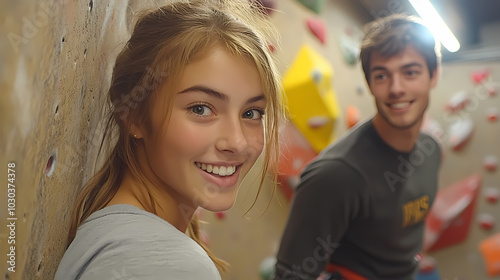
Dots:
pixel 136 131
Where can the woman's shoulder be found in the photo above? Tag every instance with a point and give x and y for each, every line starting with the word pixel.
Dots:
pixel 126 238
pixel 130 226
pixel 125 217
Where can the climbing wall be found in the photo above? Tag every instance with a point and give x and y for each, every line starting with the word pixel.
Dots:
pixel 475 185
pixel 464 259
pixel 56 60
pixel 55 64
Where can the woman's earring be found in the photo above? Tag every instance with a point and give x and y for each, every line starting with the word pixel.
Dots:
pixel 135 136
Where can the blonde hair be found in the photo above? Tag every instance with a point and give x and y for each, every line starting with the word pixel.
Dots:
pixel 390 35
pixel 162 44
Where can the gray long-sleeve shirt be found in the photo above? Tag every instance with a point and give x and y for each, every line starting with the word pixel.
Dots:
pixel 123 242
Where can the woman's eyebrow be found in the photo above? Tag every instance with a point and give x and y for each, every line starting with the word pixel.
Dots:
pixel 220 95
pixel 256 98
pixel 209 91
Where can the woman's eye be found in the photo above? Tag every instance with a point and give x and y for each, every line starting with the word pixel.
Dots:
pixel 201 110
pixel 253 114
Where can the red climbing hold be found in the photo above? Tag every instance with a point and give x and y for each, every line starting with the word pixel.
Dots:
pixel 317 27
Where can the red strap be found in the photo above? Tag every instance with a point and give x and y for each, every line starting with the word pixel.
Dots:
pixel 346 273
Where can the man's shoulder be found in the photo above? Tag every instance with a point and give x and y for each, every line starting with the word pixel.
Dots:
pixel 348 143
pixel 333 173
pixel 429 145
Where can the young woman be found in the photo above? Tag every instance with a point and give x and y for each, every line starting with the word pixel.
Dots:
pixel 195 100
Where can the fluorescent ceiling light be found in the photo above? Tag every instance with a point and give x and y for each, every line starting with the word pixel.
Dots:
pixel 436 24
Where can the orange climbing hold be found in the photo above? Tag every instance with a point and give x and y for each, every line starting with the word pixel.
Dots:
pixel 353 116
pixel 490 250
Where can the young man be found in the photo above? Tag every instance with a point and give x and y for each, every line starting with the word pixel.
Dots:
pixel 359 209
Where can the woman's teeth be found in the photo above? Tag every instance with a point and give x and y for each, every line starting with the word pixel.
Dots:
pixel 217 170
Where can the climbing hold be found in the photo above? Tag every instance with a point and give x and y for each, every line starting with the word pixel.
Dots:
pixel 271 47
pixel 490 162
pixel 479 76
pixel 317 27
pixel 353 115
pixel 266 268
pixel 492 114
pixel 460 132
pixel 491 195
pixel 427 264
pixel 220 215
pixel 318 121
pixel 492 91
pixel 490 250
pixel 449 220
pixel 458 101
pixel 315 5
pixel 486 221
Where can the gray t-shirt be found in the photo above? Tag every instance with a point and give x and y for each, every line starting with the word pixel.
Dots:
pixel 123 242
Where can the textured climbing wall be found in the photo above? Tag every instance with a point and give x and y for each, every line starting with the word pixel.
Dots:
pixel 55 64
pixel 464 260
pixel 257 238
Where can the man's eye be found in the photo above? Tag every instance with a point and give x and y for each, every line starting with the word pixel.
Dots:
pixel 202 110
pixel 411 73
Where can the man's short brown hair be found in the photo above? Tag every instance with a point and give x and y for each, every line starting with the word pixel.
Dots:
pixel 390 35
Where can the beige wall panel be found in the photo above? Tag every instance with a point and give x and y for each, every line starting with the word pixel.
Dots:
pixel 464 260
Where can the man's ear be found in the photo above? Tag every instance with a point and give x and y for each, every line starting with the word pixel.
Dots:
pixel 368 84
pixel 435 76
